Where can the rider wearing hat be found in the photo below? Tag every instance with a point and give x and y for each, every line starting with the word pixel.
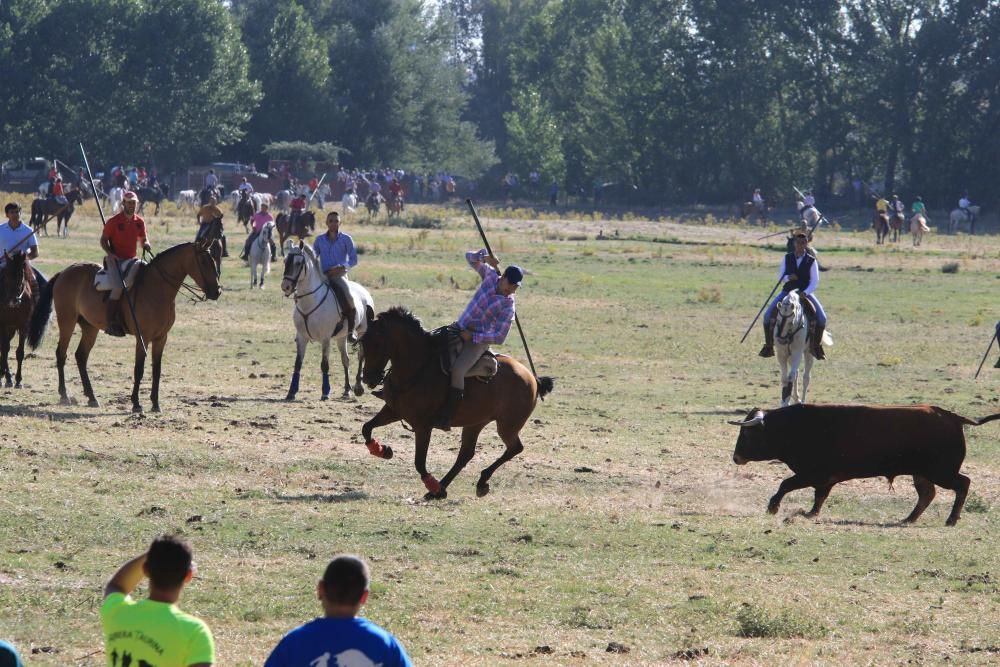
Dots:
pixel 485 320
pixel 208 214
pixel 800 271
pixel 118 239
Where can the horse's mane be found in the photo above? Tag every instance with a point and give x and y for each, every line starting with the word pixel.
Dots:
pixel 403 315
pixel 169 252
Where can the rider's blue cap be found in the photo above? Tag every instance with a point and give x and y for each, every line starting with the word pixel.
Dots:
pixel 514 274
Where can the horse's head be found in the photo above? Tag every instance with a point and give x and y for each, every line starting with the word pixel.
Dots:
pixel 374 353
pixel 788 317
pixel 296 266
pixel 205 271
pixel 14 285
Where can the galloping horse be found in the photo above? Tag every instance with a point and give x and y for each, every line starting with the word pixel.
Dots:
pixel 415 386
pixel 245 208
pixel 881 224
pixel 305 225
pixel 959 216
pixel 791 344
pixel 76 300
pixel 207 193
pixel 15 313
pixel 394 205
pixel 155 195
pixel 43 210
pixel 373 203
pixel 260 254
pixel 918 227
pixel 317 317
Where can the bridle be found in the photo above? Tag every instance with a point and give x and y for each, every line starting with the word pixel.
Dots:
pixel 296 296
pixel 194 292
pixel 782 319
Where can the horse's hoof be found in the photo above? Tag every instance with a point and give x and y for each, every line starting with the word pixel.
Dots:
pixel 290 397
pixel 359 390
pixel 93 403
pixel 8 384
pixel 440 495
pixel 17 385
pixel 155 408
pixel 386 452
pixel 346 396
pixel 65 400
pixel 482 490
pixel 137 409
pixel 325 397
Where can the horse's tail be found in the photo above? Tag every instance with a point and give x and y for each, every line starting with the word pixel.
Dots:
pixel 545 385
pixel 41 314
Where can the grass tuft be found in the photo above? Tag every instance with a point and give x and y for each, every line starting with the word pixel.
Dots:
pixel 757 621
pixel 950 267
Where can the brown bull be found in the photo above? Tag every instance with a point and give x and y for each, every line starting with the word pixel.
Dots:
pixel 828 444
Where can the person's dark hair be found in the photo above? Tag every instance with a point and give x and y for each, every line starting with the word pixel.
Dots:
pixel 168 561
pixel 11 206
pixel 346 580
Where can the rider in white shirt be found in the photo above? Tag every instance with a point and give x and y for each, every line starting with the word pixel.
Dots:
pixel 245 186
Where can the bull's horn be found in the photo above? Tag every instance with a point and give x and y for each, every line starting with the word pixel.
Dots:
pixel 758 418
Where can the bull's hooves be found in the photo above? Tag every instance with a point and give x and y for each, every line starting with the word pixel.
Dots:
pixel 772 509
pixel 65 400
pixel 93 403
pixel 325 397
pixel 8 384
pixel 951 523
pixel 440 495
pixel 482 490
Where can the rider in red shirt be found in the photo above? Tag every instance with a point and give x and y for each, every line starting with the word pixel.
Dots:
pixel 118 239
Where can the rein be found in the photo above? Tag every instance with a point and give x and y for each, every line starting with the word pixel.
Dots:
pixel 296 296
pixel 195 294
pixel 785 340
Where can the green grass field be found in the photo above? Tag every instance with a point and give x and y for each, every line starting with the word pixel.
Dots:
pixel 624 526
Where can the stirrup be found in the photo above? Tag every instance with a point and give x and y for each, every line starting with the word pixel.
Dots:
pixel 818 352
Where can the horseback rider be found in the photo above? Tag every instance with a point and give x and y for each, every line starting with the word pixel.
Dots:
pixel 799 270
pixel 246 187
pixel 881 206
pixel 12 239
pixel 260 219
pixel 897 208
pixel 396 192
pixel 208 214
pixel 336 256
pixel 964 204
pixel 808 202
pixel 758 200
pixel 297 207
pixel 211 180
pixel 918 207
pixel 58 193
pixel 118 239
pixel 485 320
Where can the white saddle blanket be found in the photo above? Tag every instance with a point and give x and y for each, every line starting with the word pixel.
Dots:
pixel 130 269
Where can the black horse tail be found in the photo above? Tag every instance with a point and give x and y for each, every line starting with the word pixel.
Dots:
pixel 40 315
pixel 545 385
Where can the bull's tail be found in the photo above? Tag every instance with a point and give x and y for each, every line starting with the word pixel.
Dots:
pixel 546 383
pixel 41 314
pixel 983 420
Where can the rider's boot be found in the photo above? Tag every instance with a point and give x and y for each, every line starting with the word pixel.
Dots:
pixel 442 419
pixel 351 315
pixel 817 343
pixel 225 250
pixel 768 350
pixel 114 319
pixel 274 251
pixel 245 255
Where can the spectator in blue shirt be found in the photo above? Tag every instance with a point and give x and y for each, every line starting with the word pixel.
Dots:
pixel 339 637
pixel 336 256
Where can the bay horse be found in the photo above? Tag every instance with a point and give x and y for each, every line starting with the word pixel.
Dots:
pixel 881 225
pixel 317 317
pixel 394 205
pixel 15 313
pixel 373 203
pixel 415 387
pixel 245 208
pixel 896 221
pixel 76 300
pixel 304 226
pixel 43 210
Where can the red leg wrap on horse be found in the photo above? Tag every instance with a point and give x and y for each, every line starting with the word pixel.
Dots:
pixel 375 448
pixel 432 484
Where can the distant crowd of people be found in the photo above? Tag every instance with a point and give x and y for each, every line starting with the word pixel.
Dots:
pixel 154 631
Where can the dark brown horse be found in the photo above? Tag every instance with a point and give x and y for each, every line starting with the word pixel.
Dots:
pixel 76 300
pixel 244 210
pixel 415 387
pixel 43 210
pixel 15 313
pixel 304 226
pixel 881 224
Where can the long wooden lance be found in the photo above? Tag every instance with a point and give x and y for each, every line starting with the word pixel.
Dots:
pixel 766 301
pixel 319 184
pixel 104 222
pixel 988 348
pixel 479 226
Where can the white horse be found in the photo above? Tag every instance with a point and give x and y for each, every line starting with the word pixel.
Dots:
pixel 791 346
pixel 234 198
pixel 322 194
pixel 811 215
pixel 918 227
pixel 958 216
pixel 282 200
pixel 349 203
pixel 115 199
pixel 187 198
pixel 260 254
pixel 317 316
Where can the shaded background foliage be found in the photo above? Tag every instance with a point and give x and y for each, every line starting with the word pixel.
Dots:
pixel 664 100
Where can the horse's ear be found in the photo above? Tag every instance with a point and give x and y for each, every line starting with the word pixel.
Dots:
pixel 301 243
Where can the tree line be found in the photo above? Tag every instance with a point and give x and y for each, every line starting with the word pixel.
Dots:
pixel 645 100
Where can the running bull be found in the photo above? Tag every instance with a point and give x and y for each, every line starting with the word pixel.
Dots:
pixel 827 444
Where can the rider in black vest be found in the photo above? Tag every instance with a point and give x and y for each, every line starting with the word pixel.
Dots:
pixel 800 271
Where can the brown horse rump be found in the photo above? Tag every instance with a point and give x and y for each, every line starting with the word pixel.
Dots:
pixel 483 370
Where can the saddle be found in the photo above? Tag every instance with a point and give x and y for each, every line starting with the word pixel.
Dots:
pixel 810 312
pixel 130 269
pixel 451 346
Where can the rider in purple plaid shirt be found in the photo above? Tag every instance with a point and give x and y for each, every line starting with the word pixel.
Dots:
pixel 485 320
